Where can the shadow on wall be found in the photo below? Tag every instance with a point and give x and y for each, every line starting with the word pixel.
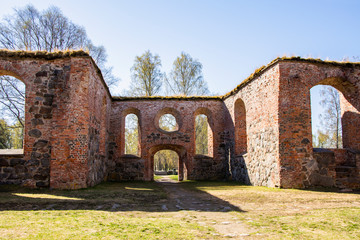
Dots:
pixel 351 130
pixel 239 171
pixel 112 197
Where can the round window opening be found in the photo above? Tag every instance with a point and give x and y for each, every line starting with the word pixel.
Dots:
pixel 167 122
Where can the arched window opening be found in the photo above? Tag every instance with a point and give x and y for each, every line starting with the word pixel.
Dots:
pixel 202 132
pixel 167 122
pixel 12 107
pixel 132 145
pixel 166 162
pixel 240 127
pixel 326 117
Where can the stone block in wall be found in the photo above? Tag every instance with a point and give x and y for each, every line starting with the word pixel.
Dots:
pixel 127 168
pixel 322 170
pixel 239 171
pixel 206 168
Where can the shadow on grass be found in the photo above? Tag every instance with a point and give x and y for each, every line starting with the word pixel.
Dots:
pixel 111 196
pixel 332 190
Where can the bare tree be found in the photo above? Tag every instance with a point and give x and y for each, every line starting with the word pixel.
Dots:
pixel 186 77
pixel 331 119
pixel 146 75
pixel 29 29
pixel 12 99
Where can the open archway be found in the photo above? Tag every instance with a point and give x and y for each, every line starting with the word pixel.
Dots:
pixel 166 162
pixel 204 132
pixel 176 149
pixel 339 99
pixel 12 119
pixel 326 117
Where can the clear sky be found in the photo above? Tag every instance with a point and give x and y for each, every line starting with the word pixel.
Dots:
pixel 230 38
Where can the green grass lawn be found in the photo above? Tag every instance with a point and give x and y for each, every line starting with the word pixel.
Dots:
pixel 290 213
pixel 173 177
pixel 132 210
pixel 90 224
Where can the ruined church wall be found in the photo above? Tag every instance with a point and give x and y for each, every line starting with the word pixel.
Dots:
pixel 79 156
pixel 70 140
pixel 99 118
pixel 66 112
pixel 299 165
pixel 41 77
pixel 153 139
pixel 259 166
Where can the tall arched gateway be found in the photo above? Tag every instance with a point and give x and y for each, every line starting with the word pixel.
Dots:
pixel 74 128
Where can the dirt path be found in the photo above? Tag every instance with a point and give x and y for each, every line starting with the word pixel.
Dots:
pixel 204 209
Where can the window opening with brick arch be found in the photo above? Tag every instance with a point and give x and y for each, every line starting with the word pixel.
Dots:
pixel 166 162
pixel 202 134
pixel 167 122
pixel 326 117
pixel 12 108
pixel 240 127
pixel 132 143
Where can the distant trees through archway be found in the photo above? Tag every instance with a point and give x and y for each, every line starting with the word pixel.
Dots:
pixel 326 117
pixel 12 107
pixel 166 161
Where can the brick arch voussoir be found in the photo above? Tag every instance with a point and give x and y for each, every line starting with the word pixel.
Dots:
pixel 19 71
pixel 179 149
pixel 207 112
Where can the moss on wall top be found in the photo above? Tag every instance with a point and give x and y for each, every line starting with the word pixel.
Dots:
pixel 262 69
pixel 20 54
pixel 185 98
pixel 44 55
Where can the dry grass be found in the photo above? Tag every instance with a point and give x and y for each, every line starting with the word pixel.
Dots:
pixel 134 211
pixel 289 213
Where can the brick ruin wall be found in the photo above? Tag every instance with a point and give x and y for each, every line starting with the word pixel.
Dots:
pixel 259 165
pixel 260 134
pixel 66 107
pixel 153 138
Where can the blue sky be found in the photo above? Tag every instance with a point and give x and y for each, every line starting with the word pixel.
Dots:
pixel 230 38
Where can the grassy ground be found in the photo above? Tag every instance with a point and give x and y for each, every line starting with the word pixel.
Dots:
pixel 288 213
pixel 109 211
pixel 134 211
pixel 173 177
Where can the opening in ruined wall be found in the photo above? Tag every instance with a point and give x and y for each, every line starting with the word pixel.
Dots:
pixel 179 150
pixel 240 127
pixel 132 144
pixel 12 119
pixel 203 132
pixel 326 117
pixel 166 162
pixel 167 122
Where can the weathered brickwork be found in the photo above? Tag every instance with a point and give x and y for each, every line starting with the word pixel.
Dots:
pixel 259 134
pixel 260 100
pixel 182 141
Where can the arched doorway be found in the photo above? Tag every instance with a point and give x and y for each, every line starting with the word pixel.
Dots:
pixel 182 161
pixel 166 163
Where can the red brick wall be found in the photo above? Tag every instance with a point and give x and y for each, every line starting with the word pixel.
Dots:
pixel 260 166
pixel 66 121
pixel 296 80
pixel 260 135
pixel 153 139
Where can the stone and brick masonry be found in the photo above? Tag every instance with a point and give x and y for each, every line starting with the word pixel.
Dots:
pixel 259 133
